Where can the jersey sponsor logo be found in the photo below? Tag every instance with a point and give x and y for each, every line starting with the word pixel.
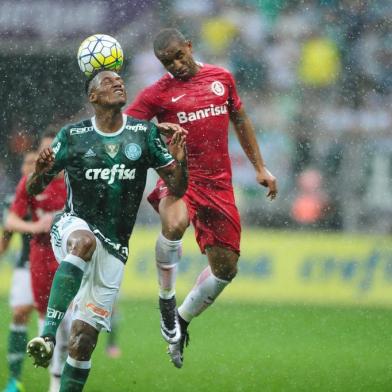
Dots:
pixel 54 314
pixel 136 128
pixel 133 151
pixel 184 117
pixel 217 88
pixel 116 172
pixel 123 250
pixel 78 131
pixel 112 149
pixel 162 148
pixel 175 99
pixel 97 310
pixel 56 148
pixel 90 153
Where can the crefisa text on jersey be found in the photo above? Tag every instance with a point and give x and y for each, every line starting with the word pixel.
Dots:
pixel 136 127
pixel 117 171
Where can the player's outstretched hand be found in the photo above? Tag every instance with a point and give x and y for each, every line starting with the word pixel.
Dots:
pixel 44 161
pixel 265 178
pixel 169 129
pixel 177 145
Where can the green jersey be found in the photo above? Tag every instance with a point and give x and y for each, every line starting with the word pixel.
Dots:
pixel 105 175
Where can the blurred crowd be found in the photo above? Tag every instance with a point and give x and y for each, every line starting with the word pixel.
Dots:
pixel 315 77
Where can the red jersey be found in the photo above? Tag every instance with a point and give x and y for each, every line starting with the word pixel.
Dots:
pixel 201 105
pixel 51 200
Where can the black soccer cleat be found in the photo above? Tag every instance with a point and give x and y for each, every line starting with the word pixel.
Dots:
pixel 176 350
pixel 170 326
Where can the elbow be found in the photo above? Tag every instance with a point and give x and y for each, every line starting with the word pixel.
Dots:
pixel 180 189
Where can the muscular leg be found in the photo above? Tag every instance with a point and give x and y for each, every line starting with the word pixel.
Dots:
pixel 210 283
pixel 174 218
pixel 82 343
pixel 66 283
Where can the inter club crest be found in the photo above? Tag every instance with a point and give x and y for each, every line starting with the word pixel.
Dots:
pixel 132 151
pixel 112 149
pixel 217 88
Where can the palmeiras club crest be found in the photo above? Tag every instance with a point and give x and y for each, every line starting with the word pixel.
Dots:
pixel 132 151
pixel 217 88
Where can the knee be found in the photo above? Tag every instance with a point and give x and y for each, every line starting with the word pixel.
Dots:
pixel 82 246
pixel 20 316
pixel 225 271
pixel 174 228
pixel 81 345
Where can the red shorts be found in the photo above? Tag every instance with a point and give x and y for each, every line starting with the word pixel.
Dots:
pixel 43 266
pixel 212 211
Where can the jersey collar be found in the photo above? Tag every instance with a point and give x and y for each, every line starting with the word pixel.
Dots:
pixel 96 129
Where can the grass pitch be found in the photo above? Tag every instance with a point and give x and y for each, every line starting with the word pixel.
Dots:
pixel 237 347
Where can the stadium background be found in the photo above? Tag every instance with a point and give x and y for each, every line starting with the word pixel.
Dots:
pixel 315 77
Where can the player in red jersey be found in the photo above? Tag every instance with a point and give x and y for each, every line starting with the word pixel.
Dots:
pixel 203 99
pixel 43 264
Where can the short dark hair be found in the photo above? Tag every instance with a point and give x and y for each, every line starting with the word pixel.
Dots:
pixel 91 77
pixel 163 39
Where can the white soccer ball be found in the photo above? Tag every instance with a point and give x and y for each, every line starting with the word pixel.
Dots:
pixel 100 51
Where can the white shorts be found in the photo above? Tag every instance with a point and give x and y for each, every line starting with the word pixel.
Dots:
pixel 21 293
pixel 102 278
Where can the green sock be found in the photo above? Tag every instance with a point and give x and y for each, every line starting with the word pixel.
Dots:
pixel 74 377
pixel 17 340
pixel 65 286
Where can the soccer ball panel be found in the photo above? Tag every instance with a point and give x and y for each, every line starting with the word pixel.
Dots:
pixel 100 51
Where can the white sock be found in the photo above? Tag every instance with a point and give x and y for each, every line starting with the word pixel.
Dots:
pixel 41 323
pixel 202 295
pixel 167 255
pixel 60 352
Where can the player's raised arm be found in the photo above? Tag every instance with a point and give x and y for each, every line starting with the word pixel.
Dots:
pixel 247 138
pixel 175 175
pixel 41 177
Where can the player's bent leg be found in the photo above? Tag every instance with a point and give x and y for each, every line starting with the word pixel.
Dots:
pixel 210 283
pixel 66 283
pixel 175 220
pixel 82 343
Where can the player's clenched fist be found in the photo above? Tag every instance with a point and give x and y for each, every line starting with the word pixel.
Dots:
pixel 44 161
pixel 265 178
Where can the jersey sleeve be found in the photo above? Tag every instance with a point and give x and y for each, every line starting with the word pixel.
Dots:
pixel 60 150
pixel 143 107
pixel 20 205
pixel 235 102
pixel 159 155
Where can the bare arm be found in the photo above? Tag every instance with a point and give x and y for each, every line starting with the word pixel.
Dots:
pixel 247 138
pixel 176 174
pixel 39 179
pixel 17 224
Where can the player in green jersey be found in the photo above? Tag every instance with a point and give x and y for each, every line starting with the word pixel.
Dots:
pixel 105 160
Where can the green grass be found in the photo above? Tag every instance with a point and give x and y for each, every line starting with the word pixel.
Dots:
pixel 242 348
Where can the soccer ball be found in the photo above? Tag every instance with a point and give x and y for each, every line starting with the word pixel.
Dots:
pixel 100 51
